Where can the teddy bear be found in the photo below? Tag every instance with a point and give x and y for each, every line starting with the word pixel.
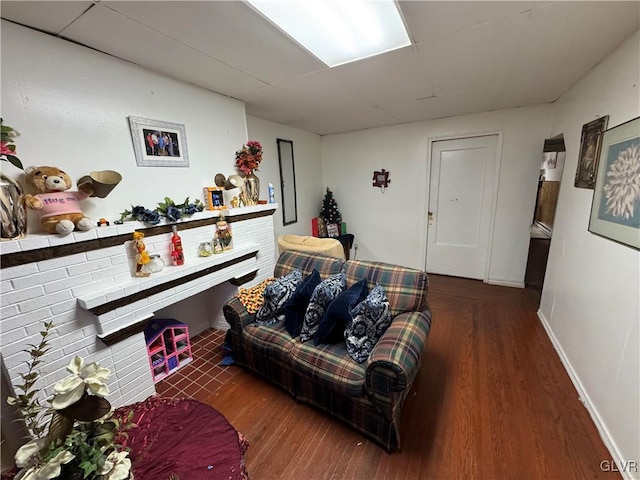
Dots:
pixel 59 208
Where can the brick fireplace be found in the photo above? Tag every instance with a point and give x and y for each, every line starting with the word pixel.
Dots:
pixel 83 283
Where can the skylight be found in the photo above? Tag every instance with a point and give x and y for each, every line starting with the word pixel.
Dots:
pixel 338 31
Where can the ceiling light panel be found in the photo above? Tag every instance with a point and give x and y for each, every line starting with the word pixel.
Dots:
pixel 338 31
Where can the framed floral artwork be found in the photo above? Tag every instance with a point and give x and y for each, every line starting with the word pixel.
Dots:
pixel 590 145
pixel 615 211
pixel 158 144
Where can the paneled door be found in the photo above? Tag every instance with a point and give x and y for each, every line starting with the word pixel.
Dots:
pixel 461 202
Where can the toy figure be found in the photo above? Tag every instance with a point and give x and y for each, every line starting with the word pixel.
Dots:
pixel 142 256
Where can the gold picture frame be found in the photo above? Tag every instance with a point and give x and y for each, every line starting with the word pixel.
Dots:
pixel 590 146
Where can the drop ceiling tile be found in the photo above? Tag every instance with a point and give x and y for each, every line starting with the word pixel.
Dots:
pixel 322 90
pixel 327 123
pixel 571 35
pixel 414 110
pixel 49 16
pixel 534 90
pixel 318 106
pixel 272 103
pixel 394 76
pixel 230 32
pixel 562 42
pixel 427 20
pixel 117 35
pixel 476 100
pixel 483 55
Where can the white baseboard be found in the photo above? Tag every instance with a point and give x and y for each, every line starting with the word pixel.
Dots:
pixel 505 283
pixel 586 401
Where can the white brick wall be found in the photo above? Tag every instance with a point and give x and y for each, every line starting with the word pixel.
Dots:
pixel 49 291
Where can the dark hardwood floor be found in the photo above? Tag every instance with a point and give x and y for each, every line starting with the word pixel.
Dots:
pixel 491 401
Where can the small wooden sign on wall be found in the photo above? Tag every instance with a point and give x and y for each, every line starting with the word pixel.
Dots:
pixel 381 179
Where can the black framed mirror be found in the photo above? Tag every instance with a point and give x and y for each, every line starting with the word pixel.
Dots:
pixel 287 182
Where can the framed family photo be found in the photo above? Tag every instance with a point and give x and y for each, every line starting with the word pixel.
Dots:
pixel 590 145
pixel 158 144
pixel 615 212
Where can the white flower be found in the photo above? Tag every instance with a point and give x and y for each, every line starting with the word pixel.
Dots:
pixel 28 453
pixel 622 185
pixel 69 390
pixel 13 134
pixel 116 466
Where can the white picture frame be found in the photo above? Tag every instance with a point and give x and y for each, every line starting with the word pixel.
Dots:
pixel 157 143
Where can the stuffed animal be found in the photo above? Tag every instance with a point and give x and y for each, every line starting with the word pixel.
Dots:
pixel 59 209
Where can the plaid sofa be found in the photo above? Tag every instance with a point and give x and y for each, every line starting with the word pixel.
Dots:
pixel 367 396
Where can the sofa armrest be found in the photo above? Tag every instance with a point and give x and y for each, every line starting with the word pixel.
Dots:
pixel 236 315
pixel 395 359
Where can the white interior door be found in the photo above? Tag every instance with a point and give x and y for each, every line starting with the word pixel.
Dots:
pixel 461 198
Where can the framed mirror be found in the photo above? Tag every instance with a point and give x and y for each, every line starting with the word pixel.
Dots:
pixel 287 182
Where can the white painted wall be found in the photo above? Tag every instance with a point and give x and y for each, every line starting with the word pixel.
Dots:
pixel 590 302
pixel 71 105
pixel 307 163
pixel 391 227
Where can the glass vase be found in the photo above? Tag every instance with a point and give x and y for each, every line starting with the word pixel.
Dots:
pixel 251 189
pixel 13 211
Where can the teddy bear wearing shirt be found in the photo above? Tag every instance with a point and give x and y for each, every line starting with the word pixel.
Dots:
pixel 59 208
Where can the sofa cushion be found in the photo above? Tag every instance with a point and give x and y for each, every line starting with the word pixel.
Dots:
pixel 276 295
pixel 272 340
pixel 371 318
pixel 405 288
pixel 289 261
pixel 329 365
pixel 296 306
pixel 338 314
pixel 322 296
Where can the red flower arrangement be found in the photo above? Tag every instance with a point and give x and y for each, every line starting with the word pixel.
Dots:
pixel 249 157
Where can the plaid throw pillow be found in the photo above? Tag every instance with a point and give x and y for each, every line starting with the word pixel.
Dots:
pixel 371 318
pixel 275 296
pixel 321 297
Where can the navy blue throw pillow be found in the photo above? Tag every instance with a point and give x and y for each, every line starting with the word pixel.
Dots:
pixel 326 291
pixel 371 317
pixel 338 314
pixel 296 306
pixel 276 295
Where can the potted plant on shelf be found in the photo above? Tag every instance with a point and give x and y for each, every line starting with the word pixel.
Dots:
pixel 248 159
pixel 83 439
pixel 13 210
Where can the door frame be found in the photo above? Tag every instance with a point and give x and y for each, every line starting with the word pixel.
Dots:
pixel 497 164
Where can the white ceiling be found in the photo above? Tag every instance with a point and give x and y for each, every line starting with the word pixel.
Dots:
pixel 466 57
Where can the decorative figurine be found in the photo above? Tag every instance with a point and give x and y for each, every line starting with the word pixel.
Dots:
pixel 142 256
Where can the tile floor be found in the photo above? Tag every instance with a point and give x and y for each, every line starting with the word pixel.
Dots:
pixel 203 375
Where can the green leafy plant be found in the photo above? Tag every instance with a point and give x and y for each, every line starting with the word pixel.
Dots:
pixel 83 438
pixel 28 401
pixel 8 146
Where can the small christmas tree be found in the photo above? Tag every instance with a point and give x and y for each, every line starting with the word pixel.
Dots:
pixel 330 213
